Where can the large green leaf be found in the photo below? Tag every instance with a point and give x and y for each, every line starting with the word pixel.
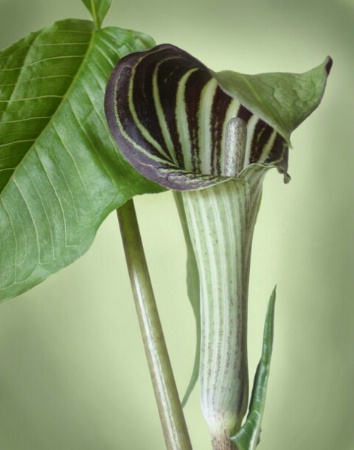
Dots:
pixel 60 171
pixel 98 9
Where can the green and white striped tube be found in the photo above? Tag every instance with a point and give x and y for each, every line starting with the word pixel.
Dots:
pixel 221 220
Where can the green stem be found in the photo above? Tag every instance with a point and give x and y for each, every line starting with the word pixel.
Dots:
pixel 167 398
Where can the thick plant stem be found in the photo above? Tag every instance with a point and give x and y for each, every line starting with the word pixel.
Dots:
pixel 168 402
pixel 221 221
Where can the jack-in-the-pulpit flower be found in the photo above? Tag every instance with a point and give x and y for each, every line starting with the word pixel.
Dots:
pixel 212 136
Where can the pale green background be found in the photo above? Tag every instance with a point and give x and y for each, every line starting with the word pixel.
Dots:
pixel 72 369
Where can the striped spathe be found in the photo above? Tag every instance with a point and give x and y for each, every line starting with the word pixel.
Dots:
pixel 174 123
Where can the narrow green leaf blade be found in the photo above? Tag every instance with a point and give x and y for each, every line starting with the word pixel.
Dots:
pixel 283 100
pixel 98 9
pixel 60 171
pixel 247 438
pixel 193 289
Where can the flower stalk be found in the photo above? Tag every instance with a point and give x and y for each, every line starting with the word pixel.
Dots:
pixel 171 414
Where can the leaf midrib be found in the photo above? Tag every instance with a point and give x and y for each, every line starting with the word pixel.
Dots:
pixel 60 105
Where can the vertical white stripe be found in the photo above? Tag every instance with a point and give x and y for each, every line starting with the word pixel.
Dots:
pixel 268 147
pixel 251 124
pixel 160 115
pixel 205 138
pixel 182 121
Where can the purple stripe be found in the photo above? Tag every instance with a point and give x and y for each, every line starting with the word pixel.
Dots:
pixel 261 135
pixel 244 114
pixel 169 75
pixel 221 103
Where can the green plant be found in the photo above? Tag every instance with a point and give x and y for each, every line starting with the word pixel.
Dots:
pixel 63 173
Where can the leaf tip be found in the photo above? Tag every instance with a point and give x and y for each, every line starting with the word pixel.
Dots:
pixel 98 10
pixel 328 65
